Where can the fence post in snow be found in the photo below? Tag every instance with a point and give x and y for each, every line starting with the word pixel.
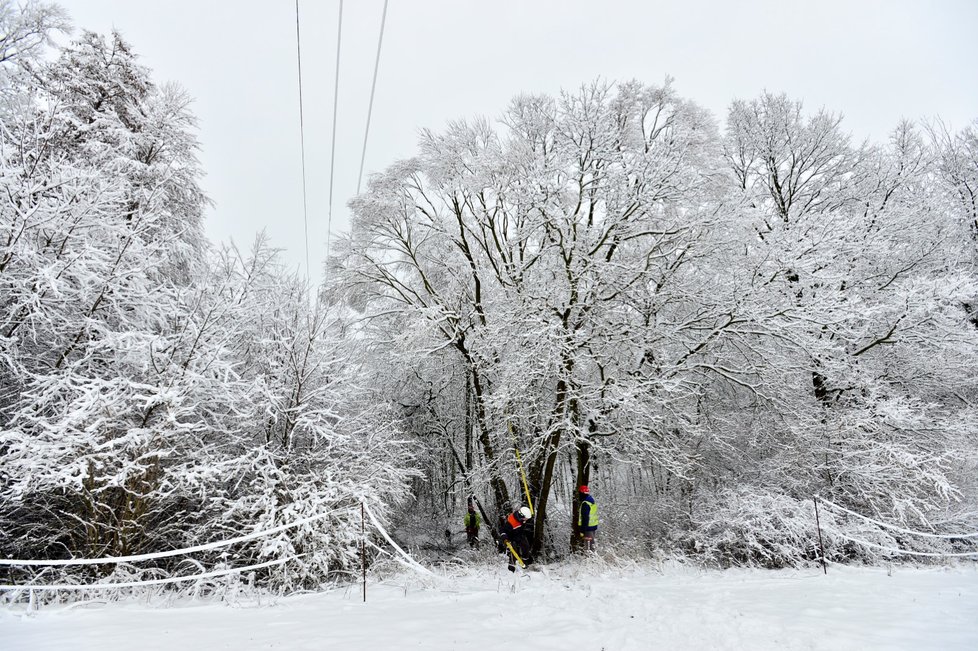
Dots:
pixel 818 526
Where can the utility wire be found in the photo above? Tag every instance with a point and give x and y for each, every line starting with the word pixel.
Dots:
pixel 373 87
pixel 302 138
pixel 332 155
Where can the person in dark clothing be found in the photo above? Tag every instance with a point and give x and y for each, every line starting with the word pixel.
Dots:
pixel 472 522
pixel 587 519
pixel 517 529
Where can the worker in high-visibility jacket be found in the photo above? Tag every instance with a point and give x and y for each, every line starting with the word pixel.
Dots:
pixel 472 522
pixel 587 518
pixel 517 529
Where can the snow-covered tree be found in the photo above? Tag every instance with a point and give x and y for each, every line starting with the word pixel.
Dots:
pixel 597 288
pixel 612 281
pixel 158 393
pixel 26 29
pixel 517 248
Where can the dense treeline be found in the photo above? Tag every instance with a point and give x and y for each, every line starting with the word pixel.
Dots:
pixel 158 393
pixel 706 325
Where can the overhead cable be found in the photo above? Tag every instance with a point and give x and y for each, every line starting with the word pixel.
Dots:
pixel 302 138
pixel 332 154
pixel 373 87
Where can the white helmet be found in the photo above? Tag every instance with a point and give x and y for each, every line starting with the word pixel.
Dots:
pixel 526 513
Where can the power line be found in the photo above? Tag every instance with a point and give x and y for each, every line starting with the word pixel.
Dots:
pixel 302 138
pixel 373 87
pixel 332 154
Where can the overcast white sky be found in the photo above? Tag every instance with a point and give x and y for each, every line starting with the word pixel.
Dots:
pixel 876 61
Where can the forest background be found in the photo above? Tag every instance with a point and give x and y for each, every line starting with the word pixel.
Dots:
pixel 709 324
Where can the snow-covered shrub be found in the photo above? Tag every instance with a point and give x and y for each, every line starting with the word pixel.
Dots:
pixel 747 526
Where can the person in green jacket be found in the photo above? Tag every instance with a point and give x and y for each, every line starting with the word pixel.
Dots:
pixel 472 522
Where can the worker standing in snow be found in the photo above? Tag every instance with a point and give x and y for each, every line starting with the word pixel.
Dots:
pixel 472 522
pixel 517 529
pixel 587 518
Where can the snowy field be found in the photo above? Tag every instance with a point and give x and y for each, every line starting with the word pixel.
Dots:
pixel 582 607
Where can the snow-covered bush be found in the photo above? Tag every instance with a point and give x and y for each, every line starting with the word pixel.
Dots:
pixel 747 526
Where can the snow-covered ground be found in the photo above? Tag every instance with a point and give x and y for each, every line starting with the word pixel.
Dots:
pixel 579 606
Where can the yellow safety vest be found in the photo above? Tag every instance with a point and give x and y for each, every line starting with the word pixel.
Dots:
pixel 592 519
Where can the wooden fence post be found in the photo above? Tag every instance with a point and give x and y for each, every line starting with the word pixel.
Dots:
pixel 819 527
pixel 363 550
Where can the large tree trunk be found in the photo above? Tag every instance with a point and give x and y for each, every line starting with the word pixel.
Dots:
pixel 499 491
pixel 583 479
pixel 468 422
pixel 563 406
pixel 546 481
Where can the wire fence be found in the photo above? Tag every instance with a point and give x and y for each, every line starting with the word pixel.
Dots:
pixel 892 527
pixel 136 584
pixel 402 557
pixel 173 552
